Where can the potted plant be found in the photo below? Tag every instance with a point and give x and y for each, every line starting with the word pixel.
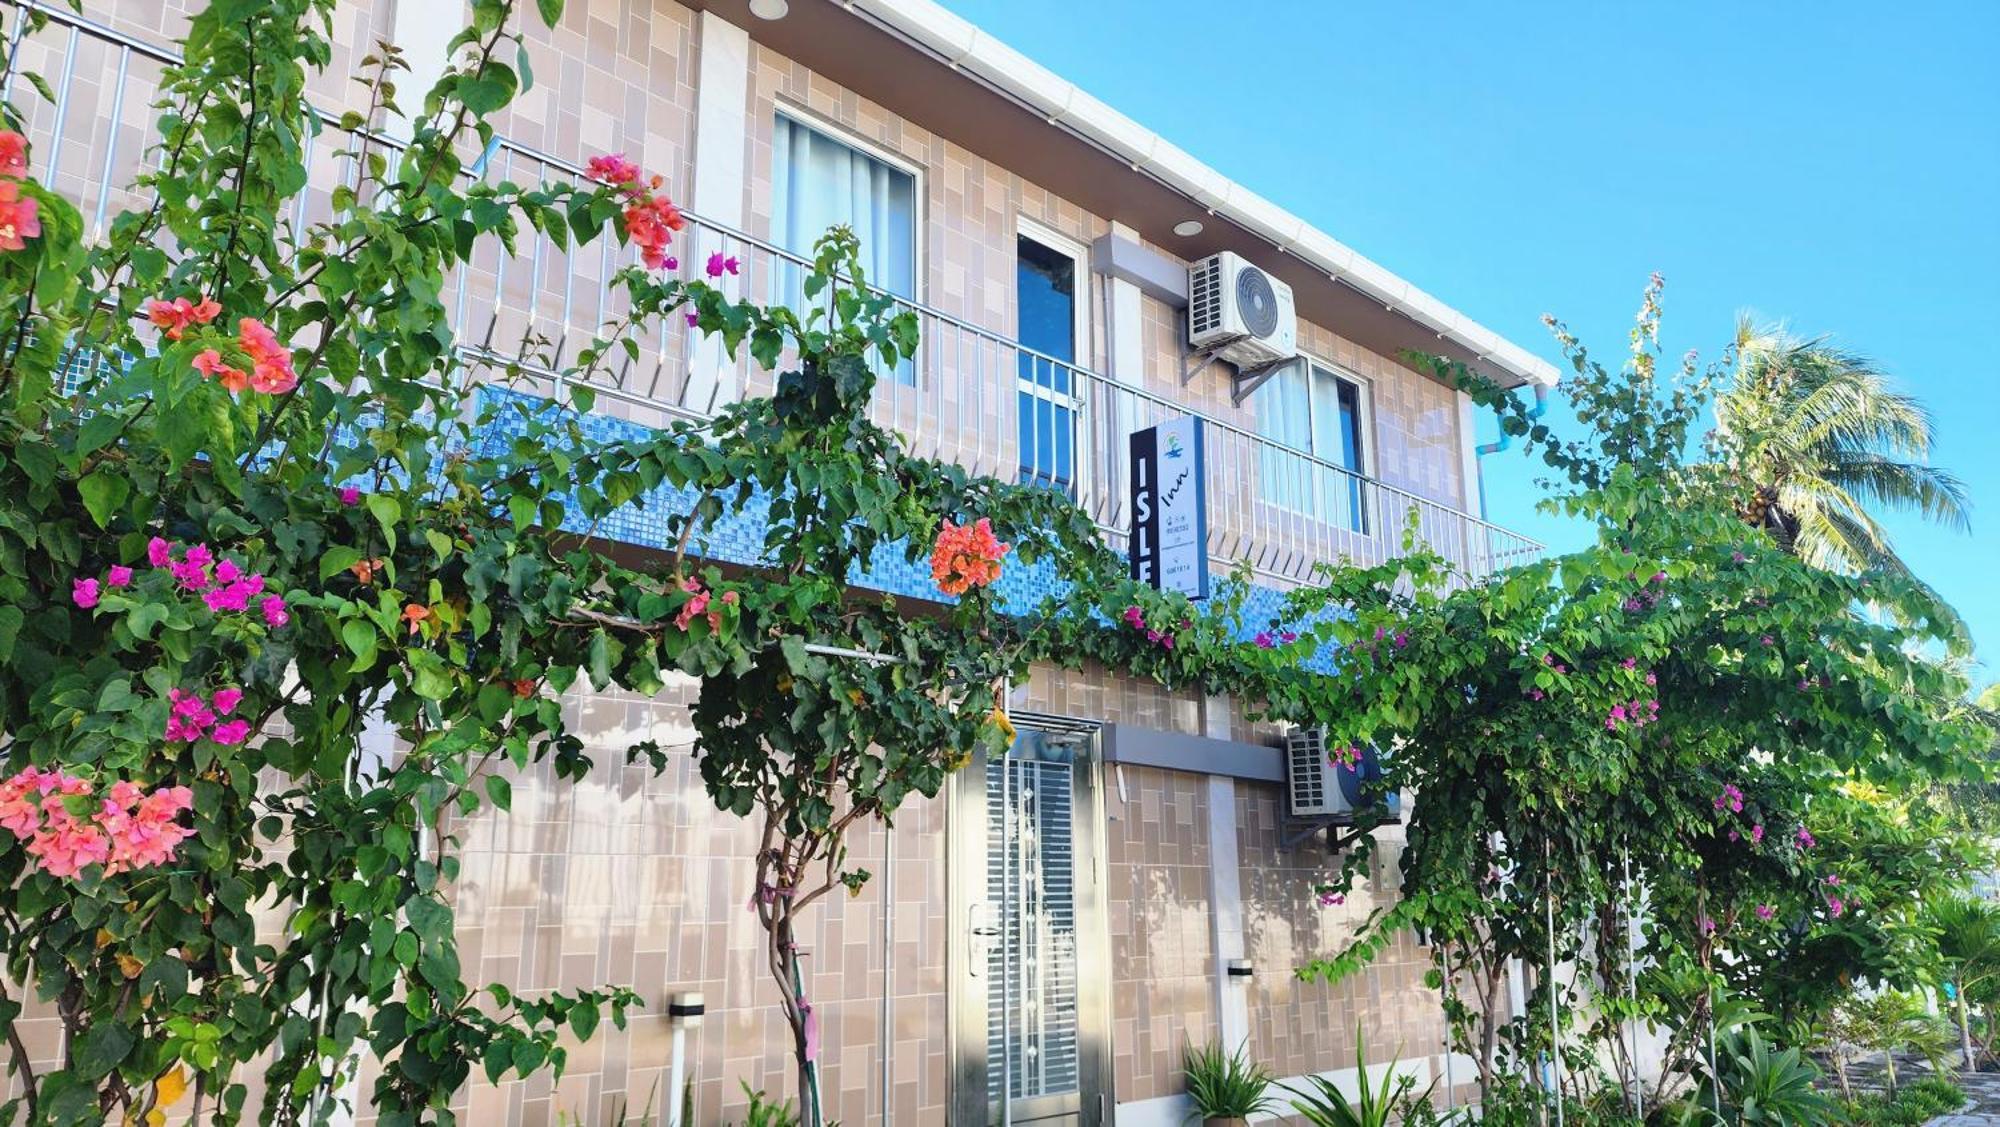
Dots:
pixel 1226 1088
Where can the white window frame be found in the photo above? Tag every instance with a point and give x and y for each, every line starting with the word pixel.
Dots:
pixel 1082 457
pixel 1364 395
pixel 920 198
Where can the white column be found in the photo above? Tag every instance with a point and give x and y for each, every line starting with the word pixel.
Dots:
pixel 422 29
pixel 721 135
pixel 1125 353
pixel 1225 891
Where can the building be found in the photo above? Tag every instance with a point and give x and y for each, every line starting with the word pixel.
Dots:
pixel 1057 927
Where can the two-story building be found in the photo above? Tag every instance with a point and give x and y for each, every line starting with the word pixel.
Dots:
pixel 1038 945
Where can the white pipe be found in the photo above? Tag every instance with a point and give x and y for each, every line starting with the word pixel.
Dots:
pixel 676 1076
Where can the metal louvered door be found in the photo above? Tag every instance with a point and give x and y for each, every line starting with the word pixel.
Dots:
pixel 1030 1008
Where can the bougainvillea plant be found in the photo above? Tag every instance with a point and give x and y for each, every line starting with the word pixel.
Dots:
pixel 261 521
pixel 1668 717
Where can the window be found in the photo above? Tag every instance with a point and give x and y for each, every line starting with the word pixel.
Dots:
pixel 1307 408
pixel 1045 294
pixel 817 182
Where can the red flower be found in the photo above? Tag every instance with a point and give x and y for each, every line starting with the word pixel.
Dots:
pixel 612 169
pixel 13 153
pixel 966 556
pixel 18 218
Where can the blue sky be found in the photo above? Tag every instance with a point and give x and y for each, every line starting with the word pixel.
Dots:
pixel 1836 166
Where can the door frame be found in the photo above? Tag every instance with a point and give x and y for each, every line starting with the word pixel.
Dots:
pixel 966 992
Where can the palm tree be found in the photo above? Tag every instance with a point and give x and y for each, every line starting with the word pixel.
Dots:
pixel 1968 940
pixel 1818 437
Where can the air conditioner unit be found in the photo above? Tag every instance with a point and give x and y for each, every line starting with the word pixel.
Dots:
pixel 1317 787
pixel 1240 313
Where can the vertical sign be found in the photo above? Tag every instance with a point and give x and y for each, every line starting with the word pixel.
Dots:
pixel 1169 542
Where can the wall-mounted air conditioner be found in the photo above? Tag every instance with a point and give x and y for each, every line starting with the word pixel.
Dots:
pixel 1240 313
pixel 1318 787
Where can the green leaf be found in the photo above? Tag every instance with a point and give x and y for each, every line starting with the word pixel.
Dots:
pixel 500 791
pixel 387 513
pixel 103 492
pixel 336 560
pixel 102 1047
pixel 10 629
pixel 362 640
pixel 551 11
pixel 583 1019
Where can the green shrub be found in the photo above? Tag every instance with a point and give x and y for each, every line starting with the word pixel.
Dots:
pixel 1226 1085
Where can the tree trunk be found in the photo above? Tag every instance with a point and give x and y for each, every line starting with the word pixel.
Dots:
pixel 1840 1068
pixel 1889 1063
pixel 1964 1030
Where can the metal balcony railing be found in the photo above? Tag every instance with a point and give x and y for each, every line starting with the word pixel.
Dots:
pixel 971 396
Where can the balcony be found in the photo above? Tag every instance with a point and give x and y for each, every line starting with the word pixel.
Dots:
pixel 972 396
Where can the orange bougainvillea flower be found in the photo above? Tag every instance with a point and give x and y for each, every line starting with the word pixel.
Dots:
pixel 13 153
pixel 175 316
pixel 966 556
pixel 364 570
pixel 416 614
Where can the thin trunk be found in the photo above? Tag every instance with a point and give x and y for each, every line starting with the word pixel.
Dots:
pixel 1889 1063
pixel 1964 1030
pixel 1840 1068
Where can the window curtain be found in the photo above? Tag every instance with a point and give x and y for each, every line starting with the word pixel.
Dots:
pixel 818 182
pixel 1284 419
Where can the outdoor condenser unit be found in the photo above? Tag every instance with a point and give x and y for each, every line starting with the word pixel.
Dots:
pixel 1318 788
pixel 1240 313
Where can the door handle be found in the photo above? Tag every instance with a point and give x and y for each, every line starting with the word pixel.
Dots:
pixel 979 931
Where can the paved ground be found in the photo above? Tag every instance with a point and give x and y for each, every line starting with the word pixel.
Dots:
pixel 1984 1089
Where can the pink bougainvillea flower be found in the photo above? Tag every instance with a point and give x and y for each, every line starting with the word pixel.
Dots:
pixel 84 591
pixel 177 315
pixel 227 571
pixel 19 217
pixel 1768 640
pixel 225 700
pixel 350 496
pixel 693 318
pixel 1328 898
pixel 231 732
pixel 718 265
pixel 276 614
pixel 966 556
pixel 1765 912
pixel 13 153
pixel 612 169
pixel 159 553
pixel 1757 833
pixel 1805 838
pixel 1264 640
pixel 119 576
pixel 1836 906
pixel 272 372
pixel 210 364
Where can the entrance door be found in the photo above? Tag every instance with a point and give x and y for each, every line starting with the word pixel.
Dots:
pixel 1029 971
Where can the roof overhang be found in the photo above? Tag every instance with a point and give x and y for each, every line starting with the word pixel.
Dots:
pixel 935 69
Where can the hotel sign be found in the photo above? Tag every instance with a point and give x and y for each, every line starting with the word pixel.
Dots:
pixel 1169 543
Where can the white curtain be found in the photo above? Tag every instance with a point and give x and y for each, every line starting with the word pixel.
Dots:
pixel 1284 418
pixel 818 182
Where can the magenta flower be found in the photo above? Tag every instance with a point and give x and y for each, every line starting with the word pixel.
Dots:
pixel 1630 663
pixel 1264 640
pixel 1836 906
pixel 1805 838
pixel 159 553
pixel 693 319
pixel 84 591
pixel 275 612
pixel 1536 694
pixel 350 496
pixel 1288 637
pixel 119 576
pixel 231 733
pixel 1767 640
pixel 1652 678
pixel 1757 833
pixel 718 265
pixel 226 700
pixel 1765 912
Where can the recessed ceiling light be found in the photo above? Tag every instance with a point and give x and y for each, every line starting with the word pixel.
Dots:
pixel 1187 227
pixel 770 9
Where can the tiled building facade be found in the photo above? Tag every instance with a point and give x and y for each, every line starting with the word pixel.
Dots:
pixel 633 878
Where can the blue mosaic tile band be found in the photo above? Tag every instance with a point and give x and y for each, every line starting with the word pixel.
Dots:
pixel 738 537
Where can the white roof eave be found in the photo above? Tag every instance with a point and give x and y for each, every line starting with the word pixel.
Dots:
pixel 965 46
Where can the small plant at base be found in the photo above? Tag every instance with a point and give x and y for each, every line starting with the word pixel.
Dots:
pixel 1226 1085
pixel 1379 1104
